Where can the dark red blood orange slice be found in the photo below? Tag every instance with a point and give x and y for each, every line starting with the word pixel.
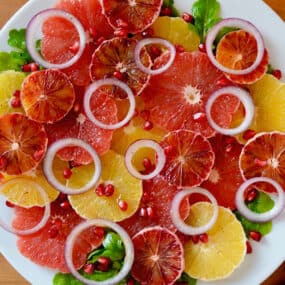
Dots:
pixel 159 256
pixel 137 14
pixel 189 158
pixel 154 208
pixel 176 98
pixel 23 144
pixel 47 96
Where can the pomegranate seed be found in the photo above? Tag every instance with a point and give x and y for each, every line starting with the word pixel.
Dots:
pixel 16 102
pixel 34 67
pixel 76 108
pixel 74 48
pixel 58 223
pixel 147 33
pixel 38 154
pixel 166 11
pixel 187 17
pixel 248 247
pixel 168 150
pixel 92 32
pixel 202 47
pixel 222 82
pixel 123 205
pixel 277 73
pixel 9 204
pixel 131 281
pixel 121 33
pixel 147 163
pixel 179 48
pixel 3 162
pixel 136 113
pixel 155 51
pixel 195 239
pixel 73 164
pixel 203 238
pixel 199 116
pixel 67 173
pixel 100 189
pixel 122 24
pixel 53 231
pixel 260 162
pixel 230 140
pixel 229 148
pixel 119 75
pixel 103 263
pixel 255 235
pixel 26 68
pixel 145 197
pixel 150 212
pixel 248 134
pixel 142 212
pixel 62 197
pixel 148 125
pixel 89 268
pixel 65 205
pixel 109 190
pixel 251 195
pixel 99 231
pixel 100 40
pixel 145 114
pixel 17 93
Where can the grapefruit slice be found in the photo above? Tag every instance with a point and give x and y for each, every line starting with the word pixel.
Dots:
pixel 154 208
pixel 225 249
pixel 158 256
pixel 76 124
pixel 176 99
pixel 47 96
pixel 264 155
pixel 115 58
pixel 137 14
pixel 238 50
pixel 189 160
pixel 127 191
pixel 23 144
pixel 46 247
pixel 225 177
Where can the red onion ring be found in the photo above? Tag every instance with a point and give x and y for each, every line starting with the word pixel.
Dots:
pixel 134 147
pixel 142 43
pixel 36 23
pixel 175 211
pixel 109 81
pixel 260 217
pixel 46 214
pixel 129 249
pixel 235 23
pixel 48 161
pixel 247 102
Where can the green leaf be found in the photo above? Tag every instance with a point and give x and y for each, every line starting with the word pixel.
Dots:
pixel 8 62
pixel 262 203
pixel 170 4
pixel 114 246
pixel 65 279
pixel 206 14
pixel 185 278
pixel 94 255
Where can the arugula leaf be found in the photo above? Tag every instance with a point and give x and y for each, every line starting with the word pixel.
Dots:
pixel 9 62
pixel 206 14
pixel 114 246
pixel 185 278
pixel 65 279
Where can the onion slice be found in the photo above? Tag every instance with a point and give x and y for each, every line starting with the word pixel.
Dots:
pixel 46 214
pixel 247 102
pixel 129 251
pixel 148 41
pixel 260 217
pixel 175 211
pixel 36 23
pixel 103 82
pixel 133 148
pixel 235 23
pixel 48 165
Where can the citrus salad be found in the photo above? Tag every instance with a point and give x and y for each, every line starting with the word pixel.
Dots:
pixel 138 144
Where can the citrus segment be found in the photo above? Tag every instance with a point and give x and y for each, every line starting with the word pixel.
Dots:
pixel 23 144
pixel 47 96
pixel 137 14
pixel 10 82
pixel 90 205
pixel 158 256
pixel 177 31
pixel 225 249
pixel 190 159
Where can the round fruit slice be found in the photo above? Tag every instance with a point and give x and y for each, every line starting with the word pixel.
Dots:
pixel 223 252
pixel 264 155
pixel 115 58
pixel 238 50
pixel 60 39
pixel 268 96
pixel 136 14
pixel 158 256
pixel 23 144
pixel 177 31
pixel 178 102
pixel 154 208
pixel 120 202
pixel 225 177
pixel 46 247
pixel 189 158
pixel 47 96
pixel 77 125
pixel 10 82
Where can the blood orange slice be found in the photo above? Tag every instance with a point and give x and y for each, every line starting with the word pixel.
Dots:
pixel 154 208
pixel 23 144
pixel 137 14
pixel 225 177
pixel 178 102
pixel 115 58
pixel 158 256
pixel 238 50
pixel 189 158
pixel 76 124
pixel 264 155
pixel 46 247
pixel 47 96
